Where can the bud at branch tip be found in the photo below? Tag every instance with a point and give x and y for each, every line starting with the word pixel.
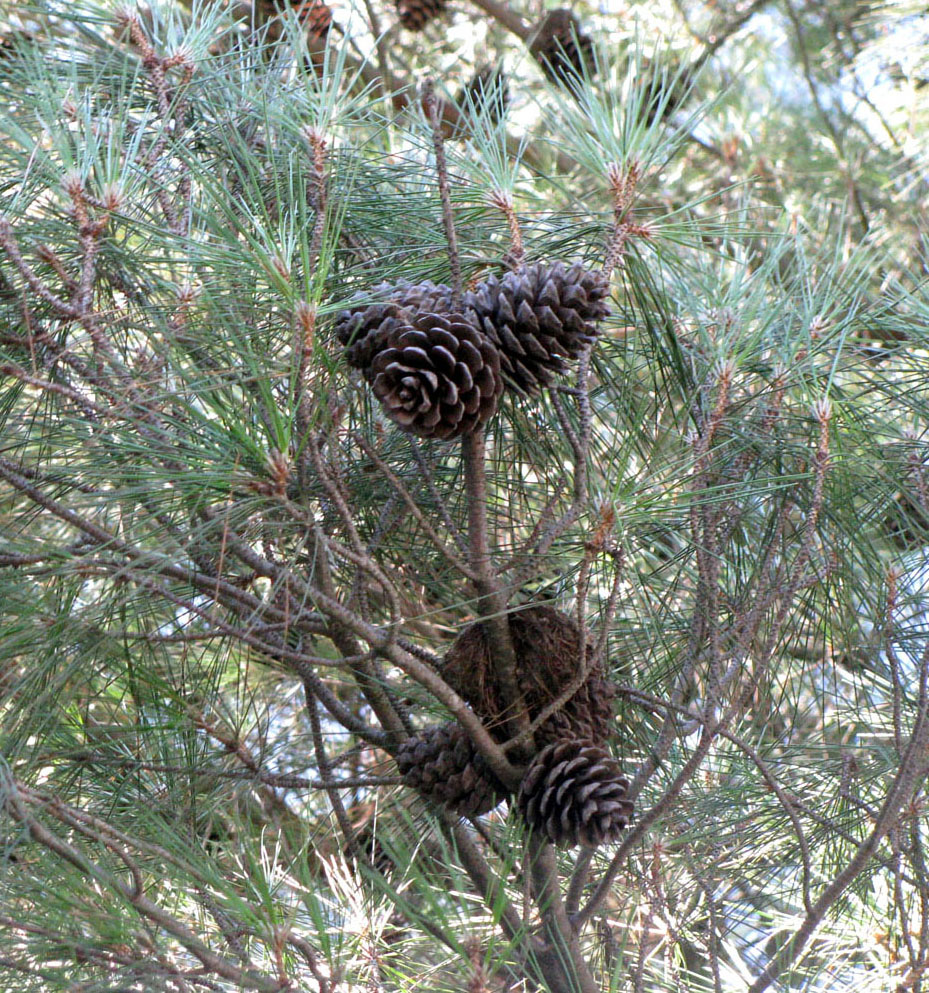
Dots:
pixel 822 411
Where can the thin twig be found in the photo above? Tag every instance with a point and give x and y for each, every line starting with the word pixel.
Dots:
pixel 441 167
pixel 16 805
pixel 457 536
pixel 578 880
pixel 284 781
pixel 421 519
pixel 912 767
pixel 502 13
pixel 325 771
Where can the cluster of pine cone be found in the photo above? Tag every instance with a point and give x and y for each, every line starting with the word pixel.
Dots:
pixel 440 373
pixel 573 791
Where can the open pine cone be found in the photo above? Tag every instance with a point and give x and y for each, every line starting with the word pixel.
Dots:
pixel 364 328
pixel 442 764
pixel 436 377
pixel 574 792
pixel 538 317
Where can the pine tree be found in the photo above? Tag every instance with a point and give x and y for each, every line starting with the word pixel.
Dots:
pixel 433 551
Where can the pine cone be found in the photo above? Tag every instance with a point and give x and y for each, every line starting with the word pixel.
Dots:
pixel 415 14
pixel 442 764
pixel 547 645
pixel 365 328
pixel 487 92
pixel 574 793
pixel 538 317
pixel 586 715
pixel 437 377
pixel 560 48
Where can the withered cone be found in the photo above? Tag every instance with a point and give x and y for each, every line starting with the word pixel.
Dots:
pixel 539 317
pixel 441 763
pixel 574 792
pixel 547 644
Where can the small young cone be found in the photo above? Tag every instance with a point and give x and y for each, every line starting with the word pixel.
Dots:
pixel 574 793
pixel 441 763
pixel 539 317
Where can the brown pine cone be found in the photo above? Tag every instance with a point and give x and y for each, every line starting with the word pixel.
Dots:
pixel 365 332
pixel 442 764
pixel 416 14
pixel 561 49
pixel 437 377
pixel 365 328
pixel 539 317
pixel 575 793
pixel 586 715
pixel 547 644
